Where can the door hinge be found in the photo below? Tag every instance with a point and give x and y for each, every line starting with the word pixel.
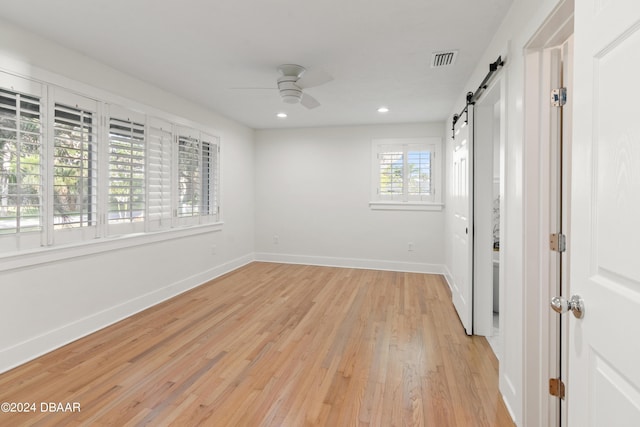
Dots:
pixel 556 387
pixel 559 97
pixel 558 242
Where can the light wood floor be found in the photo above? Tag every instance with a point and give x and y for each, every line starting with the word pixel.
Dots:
pixel 275 345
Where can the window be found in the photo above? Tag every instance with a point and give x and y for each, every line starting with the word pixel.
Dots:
pixel 75 169
pixel 197 175
pixel 21 186
pixel 127 157
pixel 405 173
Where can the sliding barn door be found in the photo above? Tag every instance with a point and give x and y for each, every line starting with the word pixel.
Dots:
pixel 461 182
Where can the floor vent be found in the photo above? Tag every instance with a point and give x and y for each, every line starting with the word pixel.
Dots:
pixel 443 59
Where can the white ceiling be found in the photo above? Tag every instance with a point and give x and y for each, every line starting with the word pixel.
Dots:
pixel 377 51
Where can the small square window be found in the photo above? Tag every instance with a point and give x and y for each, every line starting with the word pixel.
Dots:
pixel 405 173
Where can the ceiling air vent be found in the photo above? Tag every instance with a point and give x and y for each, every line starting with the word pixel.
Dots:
pixel 443 59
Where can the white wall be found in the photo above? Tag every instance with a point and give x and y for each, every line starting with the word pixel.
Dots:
pixel 313 191
pixel 520 24
pixel 58 298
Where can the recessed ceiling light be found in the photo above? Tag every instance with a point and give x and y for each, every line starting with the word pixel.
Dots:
pixel 383 110
pixel 282 115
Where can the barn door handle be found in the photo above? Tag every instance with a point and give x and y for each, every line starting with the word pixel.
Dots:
pixel 562 305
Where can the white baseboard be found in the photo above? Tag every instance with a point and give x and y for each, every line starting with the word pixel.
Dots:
pixel 37 346
pixel 448 276
pixel 370 264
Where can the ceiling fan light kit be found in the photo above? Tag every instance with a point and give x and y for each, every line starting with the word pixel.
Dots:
pixel 289 91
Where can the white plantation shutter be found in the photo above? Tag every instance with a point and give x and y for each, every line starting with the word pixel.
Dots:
pixel 127 161
pixel 189 177
pixel 205 181
pixel 21 164
pixel 391 172
pixel 159 156
pixel 403 170
pixel 210 176
pixel 75 167
pixel 197 177
pixel 418 172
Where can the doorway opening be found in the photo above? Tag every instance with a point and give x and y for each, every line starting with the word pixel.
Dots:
pixel 489 137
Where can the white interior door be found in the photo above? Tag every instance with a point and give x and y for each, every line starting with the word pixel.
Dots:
pixel 604 346
pixel 462 292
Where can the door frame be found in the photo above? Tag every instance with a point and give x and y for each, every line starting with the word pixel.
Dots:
pixel 540 353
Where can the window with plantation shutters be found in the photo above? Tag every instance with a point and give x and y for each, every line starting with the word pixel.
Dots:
pixel 159 150
pixel 75 171
pixel 21 162
pixel 197 176
pixel 126 168
pixel 404 171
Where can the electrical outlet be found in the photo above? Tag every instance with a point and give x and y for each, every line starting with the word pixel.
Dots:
pixel 276 239
pixel 410 248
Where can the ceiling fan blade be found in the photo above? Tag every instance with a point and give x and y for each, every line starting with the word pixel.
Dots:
pixel 254 88
pixel 313 77
pixel 309 101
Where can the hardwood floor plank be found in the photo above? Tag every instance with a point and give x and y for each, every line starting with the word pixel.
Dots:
pixel 271 345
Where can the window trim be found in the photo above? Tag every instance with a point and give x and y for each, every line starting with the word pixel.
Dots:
pixel 379 203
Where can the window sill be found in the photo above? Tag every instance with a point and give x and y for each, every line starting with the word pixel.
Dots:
pixel 406 206
pixel 21 259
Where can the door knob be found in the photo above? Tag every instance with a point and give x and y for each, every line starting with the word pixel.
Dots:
pixel 562 305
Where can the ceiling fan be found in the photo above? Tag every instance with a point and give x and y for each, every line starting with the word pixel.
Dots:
pixel 294 79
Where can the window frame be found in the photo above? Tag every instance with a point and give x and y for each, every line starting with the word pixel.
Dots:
pixel 404 200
